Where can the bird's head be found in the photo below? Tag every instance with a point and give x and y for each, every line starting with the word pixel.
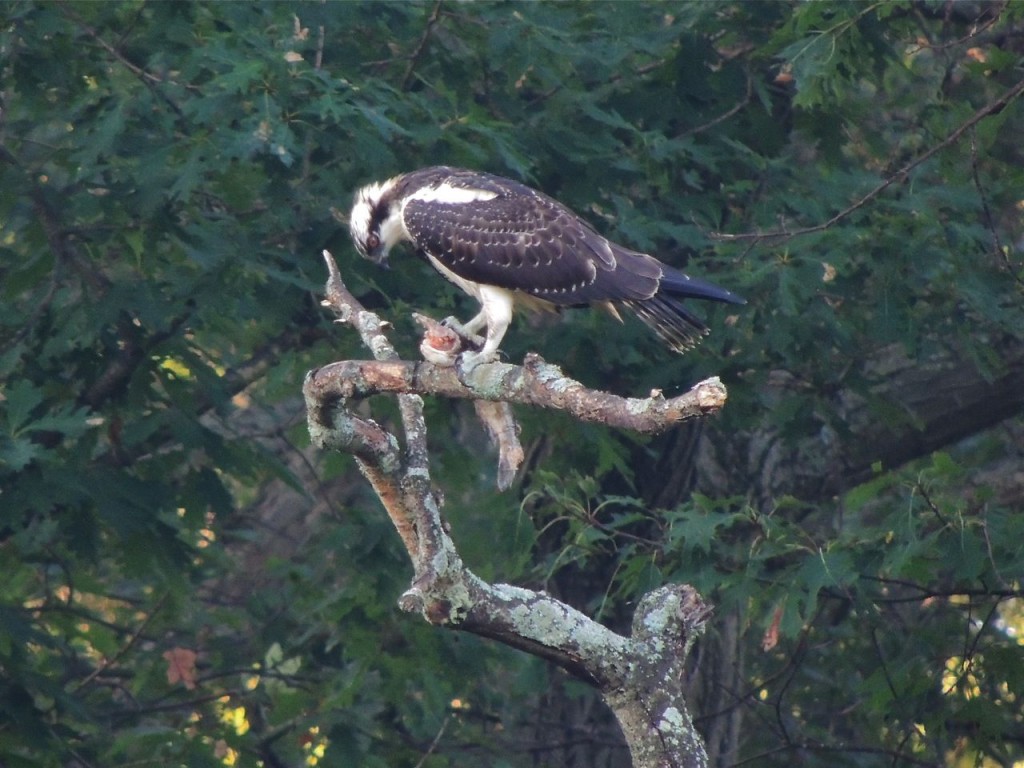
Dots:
pixel 373 221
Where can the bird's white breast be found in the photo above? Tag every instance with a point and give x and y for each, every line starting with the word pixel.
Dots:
pixel 473 289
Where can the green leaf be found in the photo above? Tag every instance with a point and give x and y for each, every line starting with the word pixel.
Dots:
pixel 17 453
pixel 20 400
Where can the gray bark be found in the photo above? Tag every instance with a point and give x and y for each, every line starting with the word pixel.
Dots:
pixel 641 676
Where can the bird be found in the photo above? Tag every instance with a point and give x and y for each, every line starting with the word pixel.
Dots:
pixel 507 244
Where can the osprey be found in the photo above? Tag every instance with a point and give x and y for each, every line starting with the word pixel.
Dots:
pixel 503 242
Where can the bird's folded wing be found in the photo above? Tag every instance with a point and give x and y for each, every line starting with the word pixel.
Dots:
pixel 517 239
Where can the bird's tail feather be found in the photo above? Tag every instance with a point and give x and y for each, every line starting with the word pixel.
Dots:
pixel 679 329
pixel 679 284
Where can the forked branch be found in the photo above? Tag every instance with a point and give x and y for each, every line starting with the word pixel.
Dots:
pixel 639 676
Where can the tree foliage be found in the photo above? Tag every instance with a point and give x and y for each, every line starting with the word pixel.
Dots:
pixel 186 583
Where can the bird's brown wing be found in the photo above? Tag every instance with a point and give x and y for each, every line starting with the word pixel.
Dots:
pixel 517 238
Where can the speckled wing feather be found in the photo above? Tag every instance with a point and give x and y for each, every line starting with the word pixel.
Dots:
pixel 523 240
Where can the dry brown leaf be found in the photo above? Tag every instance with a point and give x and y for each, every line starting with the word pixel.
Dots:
pixel 771 635
pixel 181 667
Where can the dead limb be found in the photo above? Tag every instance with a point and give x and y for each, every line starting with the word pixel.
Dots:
pixel 639 676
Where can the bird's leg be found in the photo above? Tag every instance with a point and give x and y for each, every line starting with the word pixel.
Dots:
pixel 473 326
pixel 497 315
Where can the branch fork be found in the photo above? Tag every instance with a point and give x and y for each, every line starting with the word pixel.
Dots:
pixel 640 676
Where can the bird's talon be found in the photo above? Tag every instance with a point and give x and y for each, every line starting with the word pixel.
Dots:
pixel 461 370
pixel 467 362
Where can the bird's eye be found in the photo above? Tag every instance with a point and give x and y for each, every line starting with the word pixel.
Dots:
pixel 372 243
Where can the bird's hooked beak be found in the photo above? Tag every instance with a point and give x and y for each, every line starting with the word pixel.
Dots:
pixel 378 256
pixel 373 249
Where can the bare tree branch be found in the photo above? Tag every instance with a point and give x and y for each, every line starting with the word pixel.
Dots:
pixel 534 383
pixel 991 108
pixel 641 677
pixel 739 105
pixel 434 17
pixel 148 79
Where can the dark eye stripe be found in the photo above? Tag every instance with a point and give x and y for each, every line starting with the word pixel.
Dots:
pixel 377 216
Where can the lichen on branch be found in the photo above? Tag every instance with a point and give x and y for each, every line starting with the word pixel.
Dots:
pixel 639 676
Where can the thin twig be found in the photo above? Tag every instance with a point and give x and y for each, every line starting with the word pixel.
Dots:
pixel 816 746
pixel 725 115
pixel 135 69
pixel 318 60
pixel 434 743
pixel 151 81
pixel 974 35
pixel 970 648
pixel 133 638
pixel 435 16
pixel 989 109
pixel 990 222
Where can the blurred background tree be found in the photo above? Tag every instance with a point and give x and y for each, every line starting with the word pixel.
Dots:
pixel 186 583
